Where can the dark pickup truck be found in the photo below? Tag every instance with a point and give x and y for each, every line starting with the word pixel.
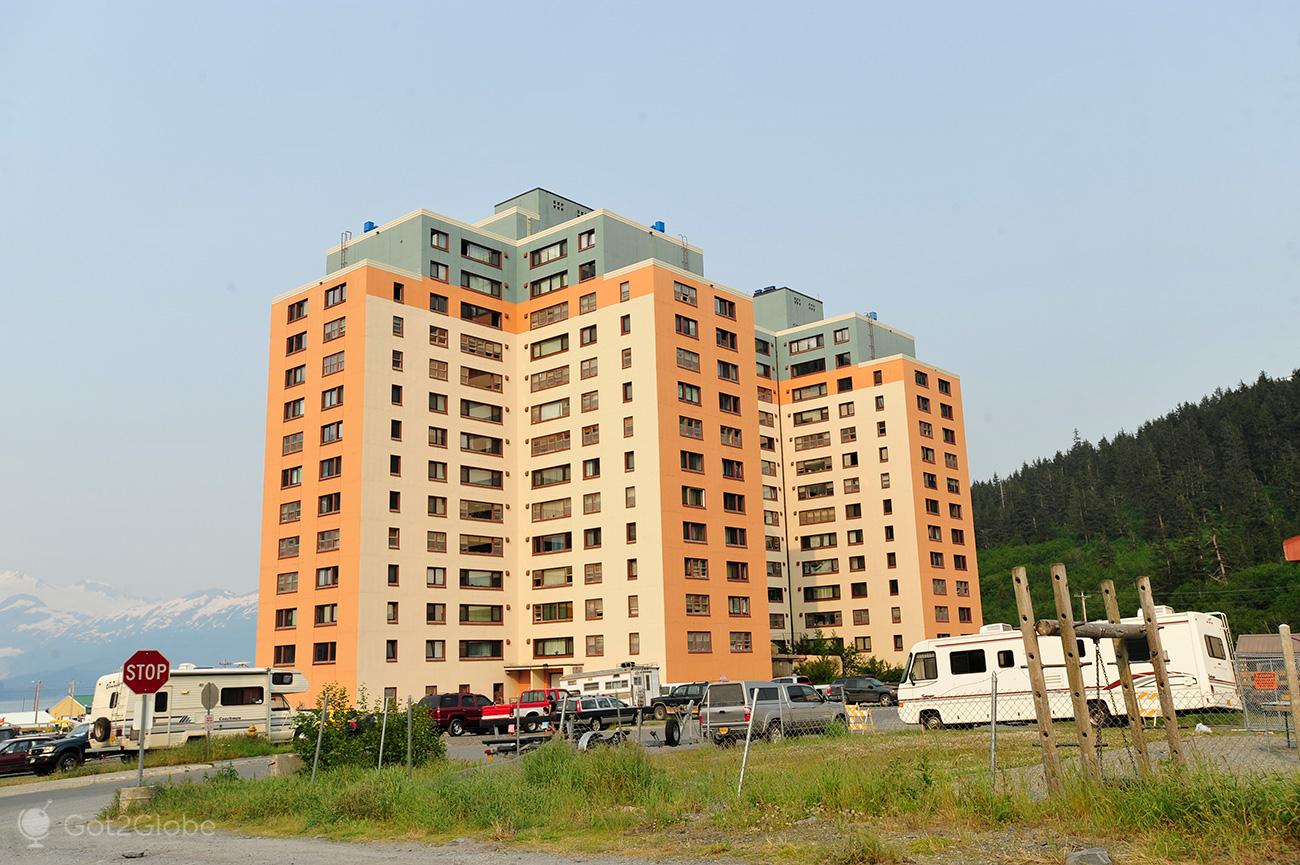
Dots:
pixel 678 698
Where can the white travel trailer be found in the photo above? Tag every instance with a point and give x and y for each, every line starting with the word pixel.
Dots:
pixel 248 697
pixel 634 683
pixel 949 681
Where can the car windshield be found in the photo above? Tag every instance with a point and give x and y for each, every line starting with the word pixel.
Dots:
pixel 79 730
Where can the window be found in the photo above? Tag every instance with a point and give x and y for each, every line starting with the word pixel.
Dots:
pixel 295 376
pixel 1214 646
pixel 591 538
pixel 733 536
pixel 553 410
pixel 741 641
pixel 484 512
pixel 291 444
pixel 696 533
pixel 624 324
pixel 548 284
pixel 286 618
pixel 545 578
pixel 693 497
pixel 480 614
pixel 558 611
pixel 327 577
pixel 291 477
pixel 391 612
pixel 334 329
pixel 688 393
pixel 586 303
pixel 294 409
pixel 595 609
pixel 688 359
pixel 969 661
pixel 697 605
pixel 558 542
pixel 327 541
pixel 553 647
pixel 725 339
pixel 686 326
pixel 330 503
pixel 733 469
pixel 684 293
pixel 808 343
pixel 297 310
pixel 587 369
pixel 286 583
pixel 729 403
pixel 441 273
pixel 586 271
pixel 699 641
pixel 476 314
pixel 737 605
pixel 587 239
pixel 482 254
pixel 284 656
pixel 591 467
pixel 475 410
pixel 336 295
pixel 546 254
pixel 725 308
pixel 590 400
pixel 549 346
pixel 480 650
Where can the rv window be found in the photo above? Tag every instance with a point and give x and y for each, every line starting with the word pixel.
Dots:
pixel 1006 659
pixel 241 696
pixel 112 700
pixel 1139 650
pixel 971 661
pixel 160 701
pixel 282 678
pixel 1081 648
pixel 1215 647
pixel 925 668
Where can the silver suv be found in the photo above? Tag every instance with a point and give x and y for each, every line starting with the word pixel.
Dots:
pixel 778 709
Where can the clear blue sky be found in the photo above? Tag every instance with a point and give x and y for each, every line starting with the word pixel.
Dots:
pixel 1089 214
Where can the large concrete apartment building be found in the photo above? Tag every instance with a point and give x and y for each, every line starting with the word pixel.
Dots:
pixel 498 452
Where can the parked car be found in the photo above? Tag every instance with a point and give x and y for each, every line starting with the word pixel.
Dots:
pixel 777 709
pixel 677 698
pixel 14 753
pixel 793 680
pixel 597 712
pixel 62 754
pixel 456 713
pixel 530 705
pixel 863 689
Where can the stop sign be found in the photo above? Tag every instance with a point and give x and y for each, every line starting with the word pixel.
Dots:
pixel 146 671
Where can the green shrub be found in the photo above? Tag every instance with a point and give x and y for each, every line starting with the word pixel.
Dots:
pixel 353 732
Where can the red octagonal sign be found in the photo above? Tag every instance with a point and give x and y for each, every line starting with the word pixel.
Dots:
pixel 146 671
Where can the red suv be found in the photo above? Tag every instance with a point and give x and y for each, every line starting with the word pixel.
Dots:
pixel 531 705
pixel 456 713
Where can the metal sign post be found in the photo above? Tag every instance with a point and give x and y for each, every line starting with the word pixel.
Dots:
pixel 208 698
pixel 145 672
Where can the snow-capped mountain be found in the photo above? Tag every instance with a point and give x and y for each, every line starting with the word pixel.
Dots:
pixel 80 632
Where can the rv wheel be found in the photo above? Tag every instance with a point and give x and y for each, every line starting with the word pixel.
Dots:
pixel 100 730
pixel 931 721
pixel 1099 714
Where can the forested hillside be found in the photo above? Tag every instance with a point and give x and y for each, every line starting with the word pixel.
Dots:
pixel 1199 499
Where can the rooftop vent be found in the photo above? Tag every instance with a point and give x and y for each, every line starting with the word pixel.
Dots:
pixel 996 628
pixel 368 226
pixel 657 226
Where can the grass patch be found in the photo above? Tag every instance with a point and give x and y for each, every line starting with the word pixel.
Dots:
pixel 805 800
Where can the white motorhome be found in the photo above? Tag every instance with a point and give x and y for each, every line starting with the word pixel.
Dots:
pixel 247 697
pixel 635 683
pixel 948 681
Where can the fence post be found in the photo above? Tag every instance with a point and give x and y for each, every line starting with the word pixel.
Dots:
pixel 1292 682
pixel 1126 682
pixel 383 732
pixel 1037 683
pixel 749 732
pixel 320 730
pixel 993 730
pixel 1158 668
pixel 409 733
pixel 1074 672
pixel 518 719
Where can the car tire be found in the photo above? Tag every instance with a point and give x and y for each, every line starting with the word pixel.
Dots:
pixel 661 711
pixel 673 733
pixel 530 724
pixel 69 761
pixel 456 727
pixel 101 729
pixel 597 724
pixel 886 699
pixel 775 732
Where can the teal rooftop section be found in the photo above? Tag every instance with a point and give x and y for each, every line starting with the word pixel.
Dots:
pixel 808 343
pixel 590 243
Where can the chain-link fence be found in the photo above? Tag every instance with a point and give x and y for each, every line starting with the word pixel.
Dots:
pixel 987 723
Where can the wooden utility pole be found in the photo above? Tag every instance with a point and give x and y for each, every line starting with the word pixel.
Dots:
pixel 1126 682
pixel 1292 684
pixel 1037 683
pixel 1074 671
pixel 1167 709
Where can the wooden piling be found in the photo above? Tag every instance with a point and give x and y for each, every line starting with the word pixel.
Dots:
pixel 1167 709
pixel 1038 684
pixel 1292 683
pixel 1088 760
pixel 1126 683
